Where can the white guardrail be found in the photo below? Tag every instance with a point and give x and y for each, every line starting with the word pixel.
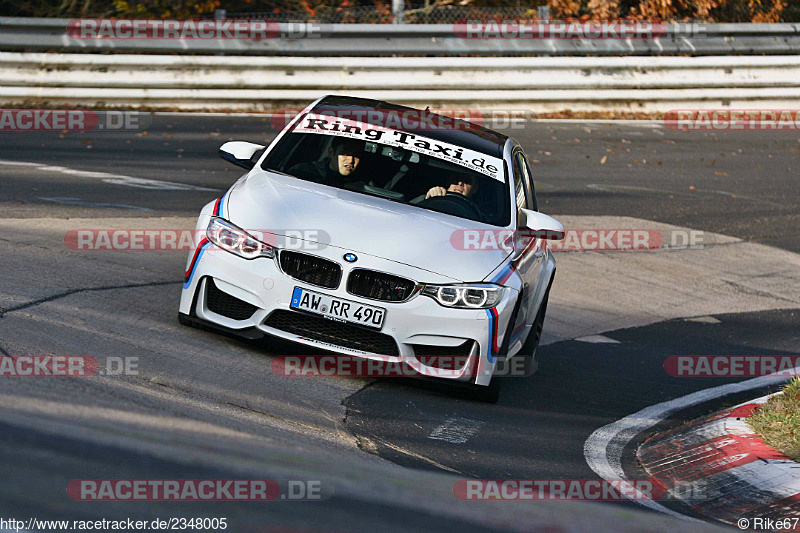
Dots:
pixel 537 84
pixel 314 40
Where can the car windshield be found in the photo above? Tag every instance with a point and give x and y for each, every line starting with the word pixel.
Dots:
pixel 399 166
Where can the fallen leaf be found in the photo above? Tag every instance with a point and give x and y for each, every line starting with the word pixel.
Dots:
pixel 692 187
pixel 721 173
pixel 603 161
pixel 713 161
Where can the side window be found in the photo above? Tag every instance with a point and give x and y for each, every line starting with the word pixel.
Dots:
pixel 519 183
pixel 532 204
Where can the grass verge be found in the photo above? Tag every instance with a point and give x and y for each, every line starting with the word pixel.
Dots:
pixel 778 421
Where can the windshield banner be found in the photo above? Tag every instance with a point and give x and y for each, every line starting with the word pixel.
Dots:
pixel 342 127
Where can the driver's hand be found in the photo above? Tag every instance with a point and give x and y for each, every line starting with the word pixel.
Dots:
pixel 436 191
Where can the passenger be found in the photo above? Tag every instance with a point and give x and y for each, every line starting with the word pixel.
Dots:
pixel 344 156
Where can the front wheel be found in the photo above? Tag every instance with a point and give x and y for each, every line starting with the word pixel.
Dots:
pixel 491 393
pixel 528 350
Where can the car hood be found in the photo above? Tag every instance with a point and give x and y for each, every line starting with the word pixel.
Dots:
pixel 360 223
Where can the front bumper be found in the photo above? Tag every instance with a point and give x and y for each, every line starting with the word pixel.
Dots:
pixel 418 327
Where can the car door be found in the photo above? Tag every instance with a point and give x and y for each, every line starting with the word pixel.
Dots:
pixel 530 251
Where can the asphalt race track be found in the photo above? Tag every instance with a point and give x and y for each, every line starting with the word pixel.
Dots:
pixel 385 453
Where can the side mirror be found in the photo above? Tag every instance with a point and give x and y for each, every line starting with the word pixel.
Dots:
pixel 239 153
pixel 545 227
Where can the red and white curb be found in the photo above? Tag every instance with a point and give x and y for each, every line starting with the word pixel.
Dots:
pixel 723 470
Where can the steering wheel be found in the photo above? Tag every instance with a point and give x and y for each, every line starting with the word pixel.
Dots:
pixel 453 201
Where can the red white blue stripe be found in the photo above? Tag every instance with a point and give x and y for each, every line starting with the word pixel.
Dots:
pixel 219 209
pixel 494 347
pixel 198 253
pixel 219 206
pixel 505 273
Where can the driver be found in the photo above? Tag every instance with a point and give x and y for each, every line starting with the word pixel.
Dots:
pixel 344 156
pixel 464 185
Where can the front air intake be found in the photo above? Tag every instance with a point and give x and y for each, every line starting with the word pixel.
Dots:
pixel 224 304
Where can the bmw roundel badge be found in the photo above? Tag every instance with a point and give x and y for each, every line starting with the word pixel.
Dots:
pixel 350 257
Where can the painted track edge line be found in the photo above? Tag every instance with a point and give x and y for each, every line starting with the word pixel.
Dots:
pixel 603 449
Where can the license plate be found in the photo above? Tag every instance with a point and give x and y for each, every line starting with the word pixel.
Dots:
pixel 337 308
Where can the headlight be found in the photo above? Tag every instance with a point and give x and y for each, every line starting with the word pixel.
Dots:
pixel 466 296
pixel 236 240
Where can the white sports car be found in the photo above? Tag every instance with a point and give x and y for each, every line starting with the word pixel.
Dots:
pixel 382 232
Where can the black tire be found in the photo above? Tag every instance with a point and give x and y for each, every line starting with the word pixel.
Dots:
pixel 528 350
pixel 491 393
